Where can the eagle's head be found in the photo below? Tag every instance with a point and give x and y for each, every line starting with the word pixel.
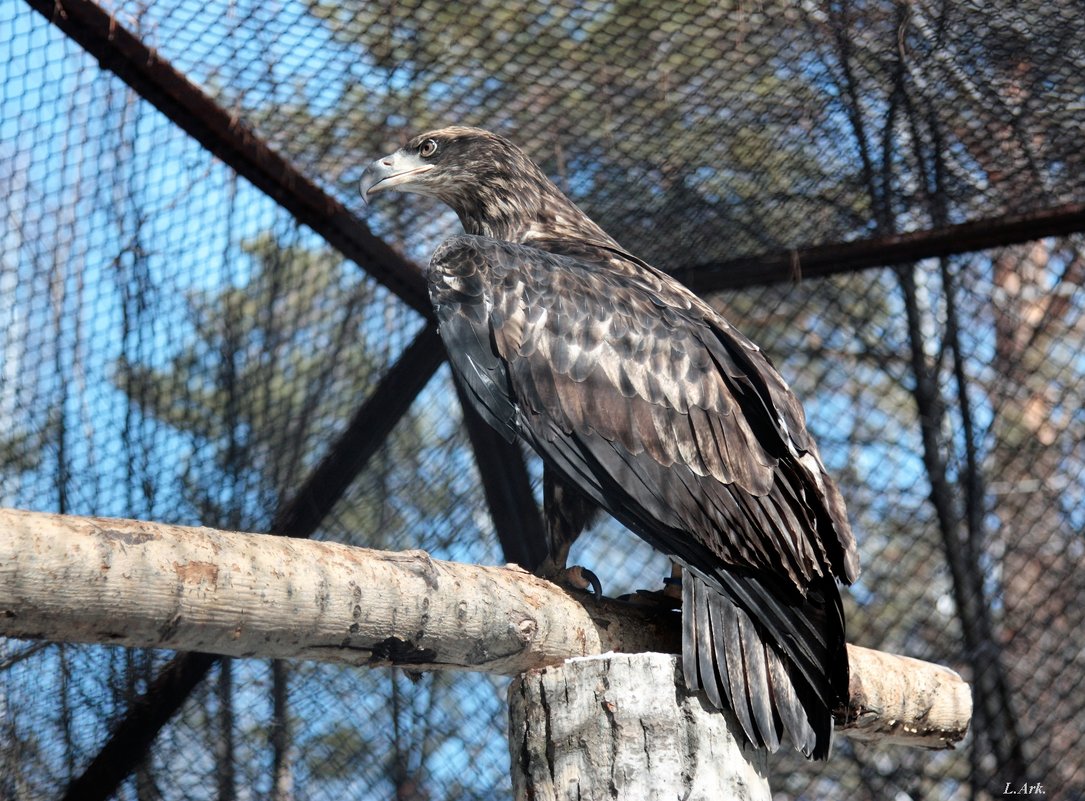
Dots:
pixel 494 188
pixel 447 165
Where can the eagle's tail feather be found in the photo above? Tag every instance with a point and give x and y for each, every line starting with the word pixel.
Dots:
pixel 701 637
pixel 726 654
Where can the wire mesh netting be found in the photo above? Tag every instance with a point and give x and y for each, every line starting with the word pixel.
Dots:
pixel 174 346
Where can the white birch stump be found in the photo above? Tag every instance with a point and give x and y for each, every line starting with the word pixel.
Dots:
pixel 618 727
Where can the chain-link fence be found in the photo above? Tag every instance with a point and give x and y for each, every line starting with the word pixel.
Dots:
pixel 176 346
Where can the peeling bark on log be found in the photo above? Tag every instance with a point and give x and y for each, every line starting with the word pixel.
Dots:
pixel 903 701
pixel 152 585
pixel 613 728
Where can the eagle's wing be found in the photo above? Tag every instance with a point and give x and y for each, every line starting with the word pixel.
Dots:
pixel 655 408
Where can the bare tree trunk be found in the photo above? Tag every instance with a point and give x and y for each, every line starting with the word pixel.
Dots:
pixel 983 650
pixel 282 763
pixel 137 668
pixel 613 728
pixel 225 766
pixel 998 731
pixel 1037 581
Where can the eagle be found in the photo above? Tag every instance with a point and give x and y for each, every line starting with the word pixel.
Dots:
pixel 643 401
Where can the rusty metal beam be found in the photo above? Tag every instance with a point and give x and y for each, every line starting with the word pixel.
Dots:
pixel 229 138
pixel 883 251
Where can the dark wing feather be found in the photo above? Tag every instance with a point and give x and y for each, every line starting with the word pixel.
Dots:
pixel 648 402
pixel 468 340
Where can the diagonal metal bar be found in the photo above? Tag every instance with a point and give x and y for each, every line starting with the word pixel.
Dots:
pixel 222 133
pixel 132 737
pixel 883 251
pixel 367 431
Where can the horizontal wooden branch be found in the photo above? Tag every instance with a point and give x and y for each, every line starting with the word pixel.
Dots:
pixel 153 585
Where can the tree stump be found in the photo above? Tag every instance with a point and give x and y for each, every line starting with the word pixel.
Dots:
pixel 619 726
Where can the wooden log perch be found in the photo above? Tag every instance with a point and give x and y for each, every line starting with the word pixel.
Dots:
pixel 614 728
pixel 153 585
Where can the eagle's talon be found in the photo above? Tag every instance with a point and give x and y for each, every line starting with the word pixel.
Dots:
pixel 580 578
pixel 670 597
pixel 672 588
pixel 575 577
pixel 592 580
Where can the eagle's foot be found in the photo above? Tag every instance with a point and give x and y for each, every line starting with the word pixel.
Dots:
pixel 581 578
pixel 670 597
pixel 658 599
pixel 575 577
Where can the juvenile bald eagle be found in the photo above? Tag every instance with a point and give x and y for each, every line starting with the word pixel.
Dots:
pixel 642 400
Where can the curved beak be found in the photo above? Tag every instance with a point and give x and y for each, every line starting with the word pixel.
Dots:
pixel 397 170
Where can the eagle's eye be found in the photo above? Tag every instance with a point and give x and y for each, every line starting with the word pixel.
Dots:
pixel 428 148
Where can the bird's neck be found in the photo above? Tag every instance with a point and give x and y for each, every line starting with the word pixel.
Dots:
pixel 525 214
